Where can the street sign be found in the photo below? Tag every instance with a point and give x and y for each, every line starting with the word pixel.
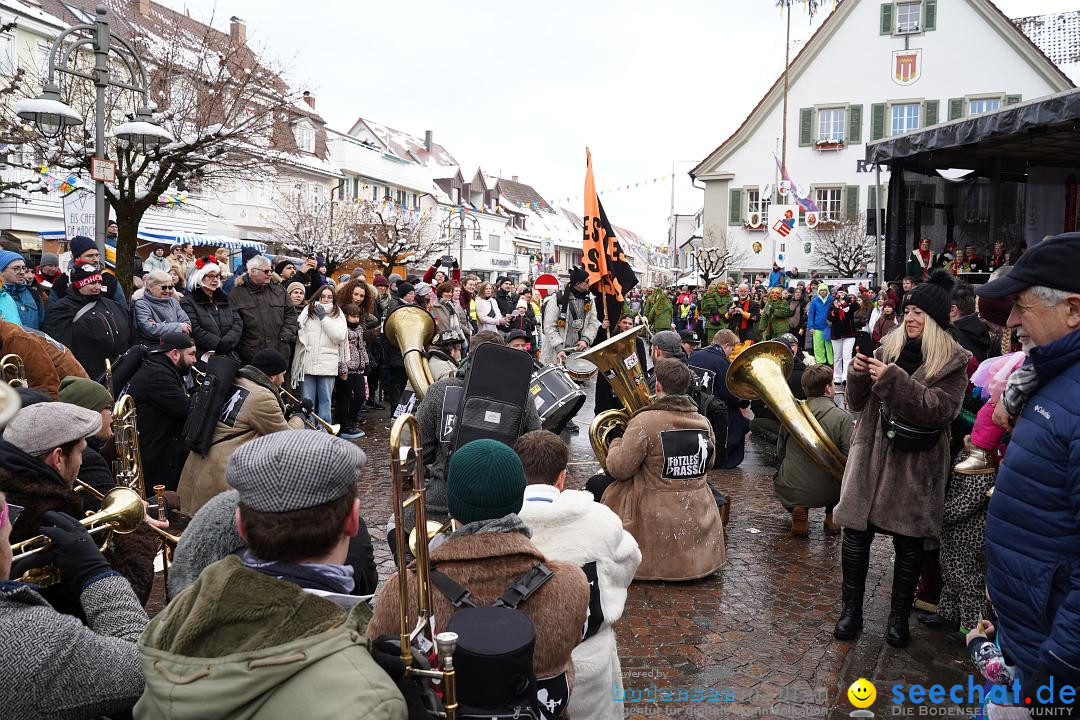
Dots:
pixel 546 283
pixel 102 170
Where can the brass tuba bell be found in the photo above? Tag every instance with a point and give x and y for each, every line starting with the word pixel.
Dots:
pixel 411 329
pixel 761 371
pixel 617 359
pixel 13 370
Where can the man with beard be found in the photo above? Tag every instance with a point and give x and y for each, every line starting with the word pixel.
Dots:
pixel 162 404
pixel 743 314
pixel 569 320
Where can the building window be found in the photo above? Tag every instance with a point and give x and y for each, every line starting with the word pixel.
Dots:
pixel 493 242
pixel 416 201
pixel 978 106
pixel 831 125
pixel 905 118
pixel 828 199
pixel 376 193
pixel 908 17
pixel 305 136
pixel 756 203
pixel 400 197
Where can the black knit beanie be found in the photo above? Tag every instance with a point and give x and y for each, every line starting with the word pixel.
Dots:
pixel 934 297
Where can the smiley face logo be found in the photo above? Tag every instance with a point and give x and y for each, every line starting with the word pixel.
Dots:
pixel 862 693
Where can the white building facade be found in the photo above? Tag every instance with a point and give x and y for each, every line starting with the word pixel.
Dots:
pixel 872 70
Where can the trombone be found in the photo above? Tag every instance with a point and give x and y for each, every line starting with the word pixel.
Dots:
pixel 13 370
pixel 407 466
pixel 168 540
pixel 121 512
pixel 312 420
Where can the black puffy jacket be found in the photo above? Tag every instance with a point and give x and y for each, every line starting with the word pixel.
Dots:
pixel 215 326
pixel 93 327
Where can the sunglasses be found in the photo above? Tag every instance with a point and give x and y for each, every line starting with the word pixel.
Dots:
pixel 167 287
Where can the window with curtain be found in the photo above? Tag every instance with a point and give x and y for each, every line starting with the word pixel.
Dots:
pixel 905 118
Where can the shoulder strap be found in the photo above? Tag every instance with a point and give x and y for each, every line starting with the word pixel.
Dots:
pixel 82 311
pixel 458 596
pixel 523 588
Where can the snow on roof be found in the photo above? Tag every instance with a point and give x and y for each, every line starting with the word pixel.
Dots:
pixel 21 8
pixel 406 146
pixel 357 158
pixel 1058 36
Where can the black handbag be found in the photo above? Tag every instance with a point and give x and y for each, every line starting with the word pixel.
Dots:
pixel 908 438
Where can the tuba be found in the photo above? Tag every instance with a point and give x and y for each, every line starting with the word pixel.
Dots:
pixel 761 371
pixel 128 467
pixel 617 359
pixel 411 329
pixel 13 370
pixel 121 512
pixel 406 465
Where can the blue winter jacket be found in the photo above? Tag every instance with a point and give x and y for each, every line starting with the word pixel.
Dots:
pixel 817 314
pixel 1033 522
pixel 776 278
pixel 9 309
pixel 31 311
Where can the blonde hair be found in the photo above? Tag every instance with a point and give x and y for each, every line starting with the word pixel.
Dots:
pixel 938 347
pixel 157 278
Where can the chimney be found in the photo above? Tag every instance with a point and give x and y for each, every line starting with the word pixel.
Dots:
pixel 142 7
pixel 309 99
pixel 428 140
pixel 513 178
pixel 237 28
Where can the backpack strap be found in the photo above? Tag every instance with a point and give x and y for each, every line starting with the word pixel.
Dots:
pixel 457 595
pixel 524 587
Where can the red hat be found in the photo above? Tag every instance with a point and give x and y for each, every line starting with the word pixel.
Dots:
pixel 83 274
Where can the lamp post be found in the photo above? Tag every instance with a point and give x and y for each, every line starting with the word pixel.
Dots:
pixel 52 116
pixel 461 216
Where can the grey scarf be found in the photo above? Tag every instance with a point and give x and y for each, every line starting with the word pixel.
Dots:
pixel 506 524
pixel 1023 382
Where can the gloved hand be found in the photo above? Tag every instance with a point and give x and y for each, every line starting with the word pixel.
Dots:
pixel 74 553
pixel 320 311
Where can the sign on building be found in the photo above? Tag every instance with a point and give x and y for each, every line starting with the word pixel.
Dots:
pixel 79 214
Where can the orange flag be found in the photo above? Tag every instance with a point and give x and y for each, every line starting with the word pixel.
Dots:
pixel 609 271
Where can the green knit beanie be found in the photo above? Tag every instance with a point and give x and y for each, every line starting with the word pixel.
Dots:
pixel 84 393
pixel 486 481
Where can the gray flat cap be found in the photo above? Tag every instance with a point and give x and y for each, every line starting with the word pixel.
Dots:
pixel 39 428
pixel 294 470
pixel 668 340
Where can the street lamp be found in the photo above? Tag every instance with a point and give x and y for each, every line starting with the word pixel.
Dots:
pixel 52 116
pixel 461 216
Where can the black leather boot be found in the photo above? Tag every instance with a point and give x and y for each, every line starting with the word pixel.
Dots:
pixel 906 568
pixel 855 561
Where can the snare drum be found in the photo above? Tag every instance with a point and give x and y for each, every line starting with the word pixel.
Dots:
pixel 557 397
pixel 580 370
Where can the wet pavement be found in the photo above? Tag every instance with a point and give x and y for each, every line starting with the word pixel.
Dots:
pixel 755 640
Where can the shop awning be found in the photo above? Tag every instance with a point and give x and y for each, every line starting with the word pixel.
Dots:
pixel 21 240
pixel 199 240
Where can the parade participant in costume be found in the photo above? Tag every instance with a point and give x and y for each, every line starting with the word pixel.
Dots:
pixel 569 320
pixel 743 314
pixel 799 483
pixel 161 400
pixel 907 395
pixel 254 408
pixel 568 525
pixel 488 551
pixel 817 323
pixel 922 261
pixel 658 310
pixel 268 317
pixel 714 307
pixel 216 326
pixel 971 262
pixel 774 315
pixel 658 470
pixel 997 257
pixel 92 326
pixel 277 626
pixel 99 673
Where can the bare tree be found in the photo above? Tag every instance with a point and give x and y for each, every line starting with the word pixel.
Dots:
pixel 394 236
pixel 226 108
pixel 327 228
pixel 716 256
pixel 843 246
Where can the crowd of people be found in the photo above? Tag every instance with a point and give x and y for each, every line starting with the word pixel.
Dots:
pixel 959 426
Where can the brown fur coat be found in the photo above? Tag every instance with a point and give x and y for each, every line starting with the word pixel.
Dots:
pixel 900 492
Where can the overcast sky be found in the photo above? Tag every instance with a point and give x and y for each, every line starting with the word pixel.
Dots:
pixel 522 89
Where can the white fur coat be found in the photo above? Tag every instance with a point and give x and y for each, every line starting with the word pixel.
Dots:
pixel 572 527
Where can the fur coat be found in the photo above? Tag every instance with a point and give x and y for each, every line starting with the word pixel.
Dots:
pixel 900 492
pixel 572 527
pixel 659 466
pixel 486 563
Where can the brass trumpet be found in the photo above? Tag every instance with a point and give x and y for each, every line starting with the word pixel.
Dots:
pixel 168 540
pixel 121 512
pixel 13 370
pixel 406 464
pixel 312 420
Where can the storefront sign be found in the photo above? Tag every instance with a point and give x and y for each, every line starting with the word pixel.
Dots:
pixel 79 213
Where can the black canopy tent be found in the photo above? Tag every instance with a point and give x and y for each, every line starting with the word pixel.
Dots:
pixel 986 205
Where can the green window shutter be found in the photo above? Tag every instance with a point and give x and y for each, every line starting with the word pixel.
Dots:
pixel 854 124
pixel 956 108
pixel 877 121
pixel 929 14
pixel 851 202
pixel 871 197
pixel 886 18
pixel 1013 99
pixel 735 206
pixel 931 113
pixel 806 127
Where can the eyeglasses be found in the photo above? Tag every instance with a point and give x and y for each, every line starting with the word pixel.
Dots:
pixel 211 276
pixel 166 287
pixel 18 269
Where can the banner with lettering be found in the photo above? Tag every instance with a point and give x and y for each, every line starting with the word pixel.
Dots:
pixel 610 274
